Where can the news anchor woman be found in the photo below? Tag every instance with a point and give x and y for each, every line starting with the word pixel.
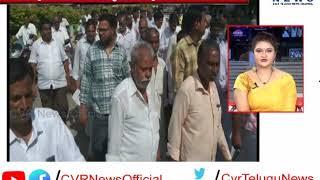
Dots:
pixel 265 88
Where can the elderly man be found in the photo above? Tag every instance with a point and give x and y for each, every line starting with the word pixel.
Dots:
pixel 195 128
pixel 134 122
pixel 37 134
pixel 105 67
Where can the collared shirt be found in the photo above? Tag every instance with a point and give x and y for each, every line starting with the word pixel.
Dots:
pixel 156 83
pixel 25 32
pixel 79 57
pixel 184 62
pixel 51 140
pixel 64 22
pixel 223 64
pixel 133 125
pixel 127 41
pixel 135 27
pixel 49 58
pixel 102 72
pixel 61 35
pixel 195 128
pixel 164 41
pixel 160 30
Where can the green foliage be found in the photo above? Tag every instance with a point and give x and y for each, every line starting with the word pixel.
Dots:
pixel 18 13
pixel 72 12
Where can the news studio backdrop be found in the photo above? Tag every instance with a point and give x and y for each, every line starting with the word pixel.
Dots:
pixel 289 146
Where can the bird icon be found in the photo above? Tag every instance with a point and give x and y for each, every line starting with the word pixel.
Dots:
pixel 199 173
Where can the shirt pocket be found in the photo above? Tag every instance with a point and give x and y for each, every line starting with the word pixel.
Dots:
pixel 133 124
pixel 43 54
pixel 199 113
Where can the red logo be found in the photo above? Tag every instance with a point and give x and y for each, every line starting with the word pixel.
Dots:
pixel 13 175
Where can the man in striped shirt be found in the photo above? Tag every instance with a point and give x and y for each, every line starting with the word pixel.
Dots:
pixel 105 67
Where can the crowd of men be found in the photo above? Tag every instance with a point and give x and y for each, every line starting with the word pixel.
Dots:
pixel 149 89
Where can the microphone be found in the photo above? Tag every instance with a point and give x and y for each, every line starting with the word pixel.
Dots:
pixel 218 105
pixel 255 85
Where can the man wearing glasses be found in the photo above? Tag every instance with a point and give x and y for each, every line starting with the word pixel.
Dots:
pixel 105 67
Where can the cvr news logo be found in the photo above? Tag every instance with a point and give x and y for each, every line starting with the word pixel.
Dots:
pixel 199 173
pixel 13 175
pixel 293 2
pixel 39 174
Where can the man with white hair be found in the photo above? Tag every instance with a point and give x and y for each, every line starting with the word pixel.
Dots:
pixel 134 121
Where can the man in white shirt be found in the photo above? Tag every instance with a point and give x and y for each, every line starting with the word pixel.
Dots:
pixel 28 32
pixel 218 30
pixel 59 33
pixel 49 59
pixel 63 22
pixel 168 32
pixel 150 18
pixel 125 37
pixel 130 25
pixel 158 21
pixel 135 20
pixel 81 30
pixel 81 50
pixel 35 134
pixel 156 83
pixel 143 27
pixel 134 122
pixel 156 86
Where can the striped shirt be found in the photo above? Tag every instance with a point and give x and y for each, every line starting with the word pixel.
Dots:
pixel 102 72
pixel 184 62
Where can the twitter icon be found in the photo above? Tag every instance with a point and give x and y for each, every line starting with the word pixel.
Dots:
pixel 199 173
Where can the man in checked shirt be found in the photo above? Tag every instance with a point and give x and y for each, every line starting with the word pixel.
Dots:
pixel 105 67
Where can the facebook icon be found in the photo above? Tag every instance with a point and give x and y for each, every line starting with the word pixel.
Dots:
pixel 39 174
